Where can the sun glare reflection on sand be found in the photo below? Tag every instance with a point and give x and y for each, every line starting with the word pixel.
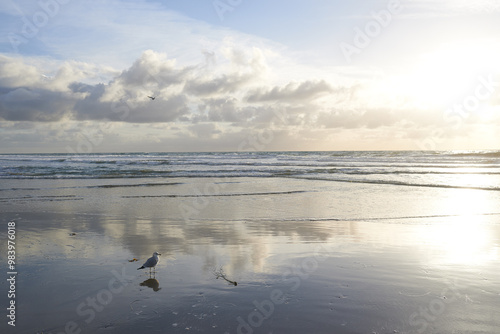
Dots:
pixel 466 239
pixel 466 242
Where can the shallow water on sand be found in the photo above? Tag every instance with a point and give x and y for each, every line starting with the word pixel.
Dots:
pixel 307 256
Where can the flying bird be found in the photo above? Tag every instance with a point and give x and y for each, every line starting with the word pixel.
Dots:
pixel 151 262
pixel 152 97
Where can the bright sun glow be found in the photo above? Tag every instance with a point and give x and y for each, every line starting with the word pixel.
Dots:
pixel 466 239
pixel 447 74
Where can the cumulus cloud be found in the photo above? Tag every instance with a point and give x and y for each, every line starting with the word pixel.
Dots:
pixel 244 70
pixel 15 73
pixel 153 68
pixel 24 104
pixel 218 103
pixel 293 91
pixel 223 84
pixel 26 94
pixel 220 110
pixel 183 93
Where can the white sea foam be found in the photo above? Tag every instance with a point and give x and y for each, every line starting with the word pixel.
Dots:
pixel 478 169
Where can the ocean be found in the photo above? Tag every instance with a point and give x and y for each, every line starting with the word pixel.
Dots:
pixel 471 169
pixel 317 242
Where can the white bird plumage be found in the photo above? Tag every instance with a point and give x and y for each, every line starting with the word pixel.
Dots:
pixel 151 262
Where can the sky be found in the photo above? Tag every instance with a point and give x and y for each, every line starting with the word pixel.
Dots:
pixel 241 75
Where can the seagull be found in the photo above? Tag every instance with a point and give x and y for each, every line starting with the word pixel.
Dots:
pixel 151 262
pixel 152 97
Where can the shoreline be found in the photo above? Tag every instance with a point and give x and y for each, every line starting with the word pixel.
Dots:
pixel 346 258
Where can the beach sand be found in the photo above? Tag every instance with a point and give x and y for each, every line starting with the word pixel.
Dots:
pixel 307 256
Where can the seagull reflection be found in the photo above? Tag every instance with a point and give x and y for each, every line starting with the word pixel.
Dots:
pixel 220 274
pixel 151 283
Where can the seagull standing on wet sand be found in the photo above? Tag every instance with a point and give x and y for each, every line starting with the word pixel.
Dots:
pixel 151 262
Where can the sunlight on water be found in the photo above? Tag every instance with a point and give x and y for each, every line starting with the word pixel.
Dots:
pixel 466 242
pixel 468 202
pixel 466 239
pixel 380 242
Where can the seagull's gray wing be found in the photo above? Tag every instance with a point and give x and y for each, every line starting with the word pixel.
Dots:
pixel 151 262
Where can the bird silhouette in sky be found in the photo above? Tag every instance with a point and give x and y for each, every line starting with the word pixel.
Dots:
pixel 152 97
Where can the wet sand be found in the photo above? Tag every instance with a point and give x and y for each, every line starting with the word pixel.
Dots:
pixel 307 256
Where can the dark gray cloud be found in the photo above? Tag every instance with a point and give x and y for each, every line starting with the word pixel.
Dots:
pixel 34 104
